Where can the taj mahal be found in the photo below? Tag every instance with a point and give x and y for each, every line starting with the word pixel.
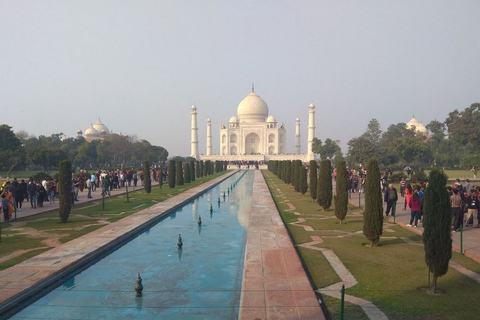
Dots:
pixel 253 134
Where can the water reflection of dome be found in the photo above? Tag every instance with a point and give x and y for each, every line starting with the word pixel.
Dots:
pixel 419 127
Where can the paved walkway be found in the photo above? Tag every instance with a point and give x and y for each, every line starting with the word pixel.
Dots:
pixel 46 268
pixel 471 236
pixel 275 285
pixel 27 210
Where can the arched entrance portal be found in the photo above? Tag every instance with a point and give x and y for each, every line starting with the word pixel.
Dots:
pixel 252 144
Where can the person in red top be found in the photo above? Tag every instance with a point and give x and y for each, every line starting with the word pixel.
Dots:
pixel 415 204
pixel 408 195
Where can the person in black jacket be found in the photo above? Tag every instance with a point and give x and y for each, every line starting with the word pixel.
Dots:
pixel 390 198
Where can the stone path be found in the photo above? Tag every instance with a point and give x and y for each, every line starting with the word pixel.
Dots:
pixel 275 285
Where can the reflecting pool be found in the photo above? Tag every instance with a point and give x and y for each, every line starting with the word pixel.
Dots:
pixel 201 281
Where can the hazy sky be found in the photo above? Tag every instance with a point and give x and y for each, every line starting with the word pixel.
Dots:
pixel 139 65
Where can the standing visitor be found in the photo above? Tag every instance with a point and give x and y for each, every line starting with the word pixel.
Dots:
pixel 403 185
pixel 456 209
pixel 390 198
pixel 32 194
pixel 414 204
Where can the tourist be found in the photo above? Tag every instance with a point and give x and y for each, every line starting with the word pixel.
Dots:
pixel 23 186
pixel 456 209
pixel 135 178
pixel 32 194
pixel 5 205
pixel 94 185
pixel 472 206
pixel 89 188
pixel 403 185
pixel 9 196
pixel 52 191
pixel 18 195
pixel 390 198
pixel 414 204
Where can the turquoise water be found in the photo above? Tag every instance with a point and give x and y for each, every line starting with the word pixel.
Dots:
pixel 201 281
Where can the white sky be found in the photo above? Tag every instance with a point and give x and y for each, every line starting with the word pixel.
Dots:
pixel 139 65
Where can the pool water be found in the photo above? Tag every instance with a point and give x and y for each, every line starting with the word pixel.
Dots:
pixel 201 281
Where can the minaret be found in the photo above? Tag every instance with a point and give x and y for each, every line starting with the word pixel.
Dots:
pixel 297 136
pixel 209 137
pixel 311 131
pixel 194 137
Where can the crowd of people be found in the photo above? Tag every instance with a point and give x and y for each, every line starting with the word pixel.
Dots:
pixel 37 192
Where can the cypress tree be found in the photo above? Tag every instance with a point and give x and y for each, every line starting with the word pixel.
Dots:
pixel 341 192
pixel 186 177
pixel 299 173
pixel 373 214
pixel 280 170
pixel 197 169
pixel 324 196
pixel 206 168
pixel 313 179
pixel 293 175
pixel 303 184
pixel 160 175
pixel 288 172
pixel 171 174
pixel 437 237
pixel 201 168
pixel 147 182
pixel 64 190
pixel 192 170
pixel 179 173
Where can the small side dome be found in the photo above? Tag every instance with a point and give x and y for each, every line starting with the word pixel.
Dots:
pixel 194 107
pixel 233 119
pixel 99 126
pixel 271 119
pixel 79 131
pixel 297 120
pixel 419 127
pixel 91 132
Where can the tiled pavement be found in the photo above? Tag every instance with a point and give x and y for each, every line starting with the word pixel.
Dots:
pixel 275 285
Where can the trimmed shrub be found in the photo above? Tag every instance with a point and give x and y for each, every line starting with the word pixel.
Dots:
pixel 147 182
pixel 64 190
pixel 437 238
pixel 324 196
pixel 341 192
pixel 171 174
pixel 373 214
pixel 179 173
pixel 186 175
pixel 313 179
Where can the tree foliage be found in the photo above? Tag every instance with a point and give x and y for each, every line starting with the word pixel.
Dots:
pixel 64 190
pixel 179 173
pixel 147 181
pixel 324 186
pixel 437 237
pixel 313 179
pixel 341 191
pixel 186 175
pixel 171 173
pixel 373 214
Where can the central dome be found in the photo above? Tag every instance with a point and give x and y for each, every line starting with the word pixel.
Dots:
pixel 252 109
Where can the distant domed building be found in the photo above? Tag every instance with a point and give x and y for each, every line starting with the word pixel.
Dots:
pixel 419 127
pixel 97 131
pixel 253 134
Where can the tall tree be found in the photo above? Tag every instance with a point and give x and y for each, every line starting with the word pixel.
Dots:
pixel 324 196
pixel 186 175
pixel 160 175
pixel 373 214
pixel 171 173
pixel 313 179
pixel 341 192
pixel 64 190
pixel 288 172
pixel 437 238
pixel 147 182
pixel 192 170
pixel 303 183
pixel 179 173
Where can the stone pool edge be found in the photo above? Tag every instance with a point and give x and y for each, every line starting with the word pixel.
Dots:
pixel 274 283
pixel 26 279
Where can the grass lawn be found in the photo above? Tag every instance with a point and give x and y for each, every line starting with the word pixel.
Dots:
pixel 45 231
pixel 388 275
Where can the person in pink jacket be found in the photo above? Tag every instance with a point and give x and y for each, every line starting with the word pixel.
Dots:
pixel 415 205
